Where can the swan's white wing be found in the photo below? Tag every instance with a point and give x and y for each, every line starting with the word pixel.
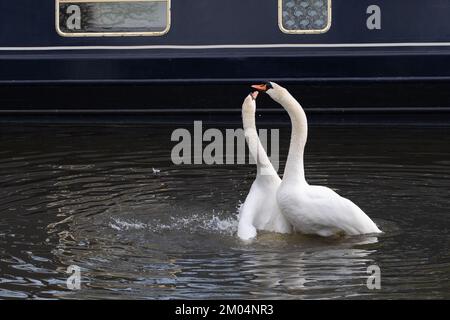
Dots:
pixel 320 210
pixel 327 208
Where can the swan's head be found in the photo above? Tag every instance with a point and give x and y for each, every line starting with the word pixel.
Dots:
pixel 249 105
pixel 275 91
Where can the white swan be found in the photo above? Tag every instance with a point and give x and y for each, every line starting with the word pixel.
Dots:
pixel 260 210
pixel 311 209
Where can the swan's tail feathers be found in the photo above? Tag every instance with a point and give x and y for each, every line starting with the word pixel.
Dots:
pixel 370 226
pixel 366 226
pixel 376 229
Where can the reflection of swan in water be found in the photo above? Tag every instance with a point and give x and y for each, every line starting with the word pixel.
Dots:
pixel 311 209
pixel 316 270
pixel 260 210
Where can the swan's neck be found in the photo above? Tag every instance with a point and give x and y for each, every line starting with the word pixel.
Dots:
pixel 256 149
pixel 294 165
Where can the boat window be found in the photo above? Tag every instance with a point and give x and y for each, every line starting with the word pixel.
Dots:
pixel 304 16
pixel 78 18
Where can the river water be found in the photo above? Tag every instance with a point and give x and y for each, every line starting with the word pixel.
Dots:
pixel 109 200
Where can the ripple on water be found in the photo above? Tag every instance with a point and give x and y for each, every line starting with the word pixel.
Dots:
pixel 109 200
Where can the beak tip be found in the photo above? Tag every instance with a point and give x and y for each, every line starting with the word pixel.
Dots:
pixel 260 87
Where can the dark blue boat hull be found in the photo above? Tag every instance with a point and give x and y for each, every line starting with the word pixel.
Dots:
pixel 237 41
pixel 228 43
pixel 57 68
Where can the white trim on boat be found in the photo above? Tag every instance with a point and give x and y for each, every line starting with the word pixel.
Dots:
pixel 233 46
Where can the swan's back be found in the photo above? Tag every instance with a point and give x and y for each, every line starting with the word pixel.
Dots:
pixel 320 210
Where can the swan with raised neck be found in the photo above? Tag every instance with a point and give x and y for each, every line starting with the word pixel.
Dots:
pixel 260 210
pixel 311 209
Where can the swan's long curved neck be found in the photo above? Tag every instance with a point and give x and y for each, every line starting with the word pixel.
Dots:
pixel 256 149
pixel 295 166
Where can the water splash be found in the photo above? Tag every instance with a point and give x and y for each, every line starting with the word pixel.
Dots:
pixel 215 223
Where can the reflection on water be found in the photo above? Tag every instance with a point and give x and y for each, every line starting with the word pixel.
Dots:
pixel 109 200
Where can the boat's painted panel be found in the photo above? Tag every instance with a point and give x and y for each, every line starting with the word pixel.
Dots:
pixel 232 41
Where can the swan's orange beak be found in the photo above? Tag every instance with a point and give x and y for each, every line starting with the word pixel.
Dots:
pixel 260 87
pixel 254 95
